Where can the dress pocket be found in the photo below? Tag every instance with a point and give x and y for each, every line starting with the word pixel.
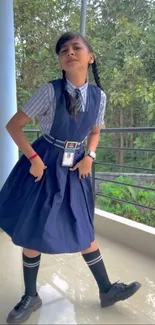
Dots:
pixel 89 197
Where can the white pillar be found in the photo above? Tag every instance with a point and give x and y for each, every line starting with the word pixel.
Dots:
pixel 8 107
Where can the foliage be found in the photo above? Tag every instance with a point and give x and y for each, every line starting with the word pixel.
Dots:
pixel 130 194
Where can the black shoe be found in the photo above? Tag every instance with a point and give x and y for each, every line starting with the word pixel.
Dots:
pixel 23 309
pixel 117 292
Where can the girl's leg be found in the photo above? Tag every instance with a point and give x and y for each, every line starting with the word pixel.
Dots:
pixel 93 258
pixel 31 263
pixel 30 300
pixel 109 293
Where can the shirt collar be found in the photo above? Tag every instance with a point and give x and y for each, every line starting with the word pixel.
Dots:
pixel 71 87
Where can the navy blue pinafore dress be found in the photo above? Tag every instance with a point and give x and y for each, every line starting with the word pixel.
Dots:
pixel 54 215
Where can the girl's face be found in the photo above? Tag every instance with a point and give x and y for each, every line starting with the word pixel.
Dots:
pixel 74 56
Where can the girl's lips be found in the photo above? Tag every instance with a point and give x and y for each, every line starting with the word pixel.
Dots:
pixel 70 61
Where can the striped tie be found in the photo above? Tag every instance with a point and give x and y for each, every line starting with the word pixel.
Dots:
pixel 78 99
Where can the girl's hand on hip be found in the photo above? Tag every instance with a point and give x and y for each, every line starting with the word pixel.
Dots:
pixel 84 166
pixel 37 168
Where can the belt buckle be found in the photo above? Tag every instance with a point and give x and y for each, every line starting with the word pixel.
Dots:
pixel 71 145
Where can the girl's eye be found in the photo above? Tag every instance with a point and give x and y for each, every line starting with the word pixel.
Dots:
pixel 63 51
pixel 74 48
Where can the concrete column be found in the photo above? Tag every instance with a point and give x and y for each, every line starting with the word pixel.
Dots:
pixel 8 107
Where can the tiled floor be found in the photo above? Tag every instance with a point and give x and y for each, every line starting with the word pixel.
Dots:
pixel 69 292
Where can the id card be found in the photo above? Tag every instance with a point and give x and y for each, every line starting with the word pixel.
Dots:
pixel 69 154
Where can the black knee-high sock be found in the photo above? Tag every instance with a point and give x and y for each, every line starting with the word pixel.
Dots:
pixel 30 271
pixel 95 262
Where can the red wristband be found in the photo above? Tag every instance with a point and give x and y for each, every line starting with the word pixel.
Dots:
pixel 35 155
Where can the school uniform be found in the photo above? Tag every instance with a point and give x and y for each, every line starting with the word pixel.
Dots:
pixel 54 215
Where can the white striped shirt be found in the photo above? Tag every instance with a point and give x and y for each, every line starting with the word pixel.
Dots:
pixel 42 105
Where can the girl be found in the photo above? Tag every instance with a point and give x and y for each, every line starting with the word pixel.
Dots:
pixel 46 204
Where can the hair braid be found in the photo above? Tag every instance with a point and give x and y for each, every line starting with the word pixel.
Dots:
pixel 64 76
pixel 70 101
pixel 96 75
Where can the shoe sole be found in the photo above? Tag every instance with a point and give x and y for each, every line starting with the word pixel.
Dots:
pixel 20 321
pixel 121 297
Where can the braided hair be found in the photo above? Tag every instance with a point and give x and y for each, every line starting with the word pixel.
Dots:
pixel 70 101
pixel 96 74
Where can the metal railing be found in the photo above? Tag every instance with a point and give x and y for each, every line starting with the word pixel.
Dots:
pixel 146 130
pixel 127 131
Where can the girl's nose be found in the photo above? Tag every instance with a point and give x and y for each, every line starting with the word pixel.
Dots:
pixel 70 51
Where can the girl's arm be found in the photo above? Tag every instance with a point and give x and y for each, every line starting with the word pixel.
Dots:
pixel 36 105
pixel 85 164
pixel 93 138
pixel 14 127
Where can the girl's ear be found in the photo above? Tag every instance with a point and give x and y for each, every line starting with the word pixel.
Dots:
pixel 91 59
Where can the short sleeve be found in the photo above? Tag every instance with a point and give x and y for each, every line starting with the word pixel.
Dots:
pixel 38 104
pixel 101 113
